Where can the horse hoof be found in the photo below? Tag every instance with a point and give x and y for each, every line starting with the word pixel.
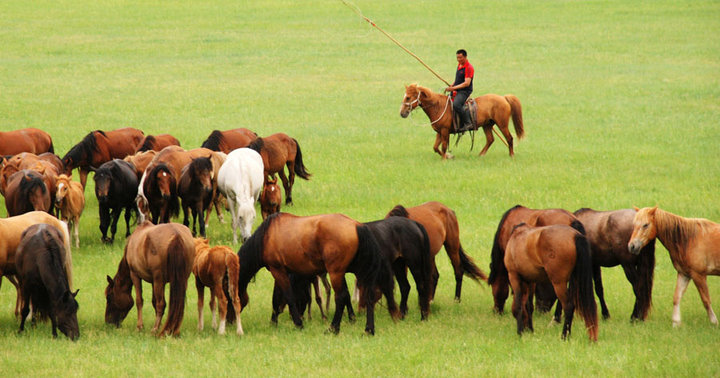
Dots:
pixel 369 332
pixel 333 330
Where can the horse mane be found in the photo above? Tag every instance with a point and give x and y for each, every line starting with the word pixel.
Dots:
pixel 148 144
pixel 199 164
pixel 31 180
pixel 87 145
pixel 582 210
pixel 251 251
pixel 398 211
pixel 497 256
pixel 213 141
pixel 257 144
pixel 678 230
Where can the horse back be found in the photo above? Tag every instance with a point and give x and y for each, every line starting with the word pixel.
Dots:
pixel 608 233
pixel 148 249
pixel 435 217
pixel 123 142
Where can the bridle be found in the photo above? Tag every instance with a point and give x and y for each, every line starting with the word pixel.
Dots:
pixel 417 100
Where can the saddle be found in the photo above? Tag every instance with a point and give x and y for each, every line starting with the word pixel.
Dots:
pixel 471 107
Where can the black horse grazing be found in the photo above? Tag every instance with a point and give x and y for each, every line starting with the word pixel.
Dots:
pixel 116 186
pixel 195 189
pixel 43 281
pixel 160 189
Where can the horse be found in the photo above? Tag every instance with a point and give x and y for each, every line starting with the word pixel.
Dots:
pixel 498 278
pixel 115 188
pixel 270 198
pixel 157 254
pixel 157 142
pixel 99 147
pixel 70 201
pixel 609 233
pixel 442 227
pixel 557 254
pixel 228 140
pixel 240 180
pixel 302 287
pixel 195 189
pixel 693 247
pixel 46 164
pixel 212 266
pixel 140 161
pixel 277 151
pixel 160 190
pixel 312 245
pixel 26 191
pixel 31 140
pixel 492 110
pixel 43 280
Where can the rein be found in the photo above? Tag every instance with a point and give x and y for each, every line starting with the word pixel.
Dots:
pixel 417 100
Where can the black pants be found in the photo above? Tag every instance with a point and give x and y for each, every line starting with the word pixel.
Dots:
pixel 458 104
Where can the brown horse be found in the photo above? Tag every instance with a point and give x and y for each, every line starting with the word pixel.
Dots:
pixel 140 161
pixel 498 278
pixel 70 201
pixel 26 191
pixel 25 140
pixel 159 187
pixel 228 140
pixel 214 265
pixel 157 142
pixel 156 254
pixel 46 164
pixel 558 255
pixel 693 245
pixel 312 245
pixel 277 151
pixel 99 147
pixel 270 198
pixel 609 233
pixel 492 109
pixel 442 227
pixel 195 189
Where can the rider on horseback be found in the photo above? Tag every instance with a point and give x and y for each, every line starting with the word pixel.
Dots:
pixel 462 88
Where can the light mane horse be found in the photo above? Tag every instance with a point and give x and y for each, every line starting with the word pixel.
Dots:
pixel 693 245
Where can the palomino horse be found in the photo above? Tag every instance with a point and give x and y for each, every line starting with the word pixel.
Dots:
pixel 492 109
pixel 25 140
pixel 115 188
pixel 277 151
pixel 270 198
pixel 693 245
pixel 312 245
pixel 99 147
pixel 44 282
pixel 70 202
pixel 556 254
pixel 442 227
pixel 195 189
pixel 240 180
pixel 157 142
pixel 212 266
pixel 26 191
pixel 228 140
pixel 156 254
pixel 532 217
pixel 609 233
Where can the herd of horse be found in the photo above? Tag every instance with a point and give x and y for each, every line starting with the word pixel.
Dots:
pixel 542 255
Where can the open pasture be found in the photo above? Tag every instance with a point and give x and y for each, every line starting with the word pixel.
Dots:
pixel 620 104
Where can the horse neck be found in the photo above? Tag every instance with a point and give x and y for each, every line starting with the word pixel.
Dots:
pixel 122 277
pixel 436 107
pixel 675 232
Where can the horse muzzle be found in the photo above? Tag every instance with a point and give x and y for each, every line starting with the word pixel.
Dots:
pixel 634 246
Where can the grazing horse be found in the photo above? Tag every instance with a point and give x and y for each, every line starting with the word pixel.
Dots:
pixel 270 198
pixel 556 254
pixel 492 109
pixel 277 151
pixel 156 254
pixel 26 191
pixel 195 189
pixel 214 266
pixel 240 180
pixel 115 188
pixel 498 278
pixel 693 245
pixel 609 233
pixel 302 289
pixel 312 245
pixel 442 227
pixel 43 280
pixel 25 140
pixel 99 147
pixel 157 142
pixel 228 140
pixel 140 161
pixel 70 202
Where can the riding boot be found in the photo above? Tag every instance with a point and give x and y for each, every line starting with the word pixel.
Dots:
pixel 465 123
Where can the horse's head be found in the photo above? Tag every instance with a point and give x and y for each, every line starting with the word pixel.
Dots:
pixel 201 169
pixel 37 193
pixel 62 186
pixel 270 198
pixel 66 312
pixel 644 229
pixel 163 181
pixel 119 303
pixel 103 179
pixel 411 99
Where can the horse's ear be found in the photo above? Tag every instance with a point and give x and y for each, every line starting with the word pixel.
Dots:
pixel 110 281
pixel 75 293
pixel 652 211
pixel 636 208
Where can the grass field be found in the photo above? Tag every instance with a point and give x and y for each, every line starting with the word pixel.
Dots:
pixel 621 102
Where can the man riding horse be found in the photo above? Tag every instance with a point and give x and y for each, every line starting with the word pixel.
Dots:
pixel 461 90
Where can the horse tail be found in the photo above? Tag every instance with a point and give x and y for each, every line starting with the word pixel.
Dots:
pixel 497 255
pixel 469 267
pixel 51 149
pixel 576 224
pixel 581 286
pixel 177 269
pixel 516 112
pixel 300 169
pixel 232 272
pixel 426 266
pixel 250 257
pixel 645 270
pixel 373 269
pixel 68 253
pixel 398 211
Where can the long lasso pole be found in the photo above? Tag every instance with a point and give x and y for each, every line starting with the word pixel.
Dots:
pixel 369 21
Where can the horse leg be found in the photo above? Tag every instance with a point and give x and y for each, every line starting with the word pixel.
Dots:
pixel 680 287
pixel 454 255
pixel 25 310
pixel 325 283
pixel 435 276
pixel 445 141
pixel 700 281
pixel 318 297
pixel 401 275
pixel 337 281
pixel 233 216
pixel 186 221
pixel 113 226
pixel 137 283
pixel 597 277
pixel 199 216
pixel 530 308
pixel 278 303
pixel 159 302
pixel 83 177
pixel 517 305
pixel 128 214
pixel 283 281
pixel 489 139
pixel 422 289
pixel 76 229
pixel 201 302
pixel 438 140
pixel 568 307
pixel 632 276
pixel 287 185
pixel 222 306
pixel 500 293
pixel 503 126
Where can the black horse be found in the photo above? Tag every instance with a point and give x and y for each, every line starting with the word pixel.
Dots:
pixel 195 189
pixel 43 281
pixel 116 187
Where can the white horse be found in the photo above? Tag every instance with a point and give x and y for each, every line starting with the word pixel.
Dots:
pixel 241 179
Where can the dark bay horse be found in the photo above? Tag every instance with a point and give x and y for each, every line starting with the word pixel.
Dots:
pixel 442 227
pixel 99 147
pixel 156 254
pixel 115 188
pixel 277 151
pixel 26 191
pixel 157 142
pixel 228 140
pixel 25 140
pixel 312 245
pixel 555 254
pixel 492 110
pixel 43 280
pixel 693 245
pixel 609 234
pixel 270 198
pixel 195 189
pixel 160 190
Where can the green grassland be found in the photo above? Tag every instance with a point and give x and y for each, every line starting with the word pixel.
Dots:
pixel 621 102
